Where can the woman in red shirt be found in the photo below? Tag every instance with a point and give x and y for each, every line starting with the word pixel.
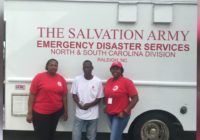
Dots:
pixel 47 101
pixel 120 97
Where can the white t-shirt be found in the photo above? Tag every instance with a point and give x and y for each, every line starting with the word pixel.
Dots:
pixel 87 91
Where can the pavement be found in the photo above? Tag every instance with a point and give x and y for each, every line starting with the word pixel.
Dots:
pixel 28 135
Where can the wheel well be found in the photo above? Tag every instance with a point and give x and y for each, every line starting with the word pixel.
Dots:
pixel 175 121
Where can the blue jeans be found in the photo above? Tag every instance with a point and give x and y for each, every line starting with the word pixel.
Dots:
pixel 117 126
pixel 91 129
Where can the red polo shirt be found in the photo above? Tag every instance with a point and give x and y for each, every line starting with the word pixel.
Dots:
pixel 119 91
pixel 48 91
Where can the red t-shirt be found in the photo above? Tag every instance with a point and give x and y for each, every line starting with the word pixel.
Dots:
pixel 49 91
pixel 119 92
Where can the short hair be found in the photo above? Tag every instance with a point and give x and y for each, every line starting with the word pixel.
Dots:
pixel 88 61
pixel 52 59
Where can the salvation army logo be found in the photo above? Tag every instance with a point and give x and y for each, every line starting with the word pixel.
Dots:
pixel 59 83
pixel 115 88
pixel 93 87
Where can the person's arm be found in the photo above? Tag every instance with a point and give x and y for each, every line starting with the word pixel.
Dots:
pixel 76 100
pixel 31 100
pixel 130 106
pixel 98 97
pixel 88 105
pixel 65 115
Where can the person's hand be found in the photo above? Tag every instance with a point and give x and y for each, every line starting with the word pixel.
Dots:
pixel 86 106
pixel 65 116
pixel 104 109
pixel 80 106
pixel 29 118
pixel 122 114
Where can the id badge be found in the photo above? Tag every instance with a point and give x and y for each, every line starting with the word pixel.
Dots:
pixel 109 100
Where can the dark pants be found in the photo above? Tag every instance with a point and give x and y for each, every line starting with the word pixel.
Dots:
pixel 45 125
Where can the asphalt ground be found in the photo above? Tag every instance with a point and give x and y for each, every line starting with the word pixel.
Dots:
pixel 28 135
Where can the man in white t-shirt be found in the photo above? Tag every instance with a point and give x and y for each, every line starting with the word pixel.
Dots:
pixel 87 92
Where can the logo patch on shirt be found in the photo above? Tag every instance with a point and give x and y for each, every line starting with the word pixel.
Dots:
pixel 93 87
pixel 115 88
pixel 59 83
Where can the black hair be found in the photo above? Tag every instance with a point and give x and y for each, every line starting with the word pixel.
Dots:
pixel 88 61
pixel 46 67
pixel 122 70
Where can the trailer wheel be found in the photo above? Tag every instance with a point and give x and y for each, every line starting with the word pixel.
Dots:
pixel 152 126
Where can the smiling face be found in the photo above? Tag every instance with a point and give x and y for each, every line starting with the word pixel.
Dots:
pixel 116 71
pixel 52 67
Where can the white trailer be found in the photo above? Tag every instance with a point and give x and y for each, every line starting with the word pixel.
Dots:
pixel 1 68
pixel 154 39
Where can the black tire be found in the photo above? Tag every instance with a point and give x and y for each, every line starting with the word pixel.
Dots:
pixel 153 126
